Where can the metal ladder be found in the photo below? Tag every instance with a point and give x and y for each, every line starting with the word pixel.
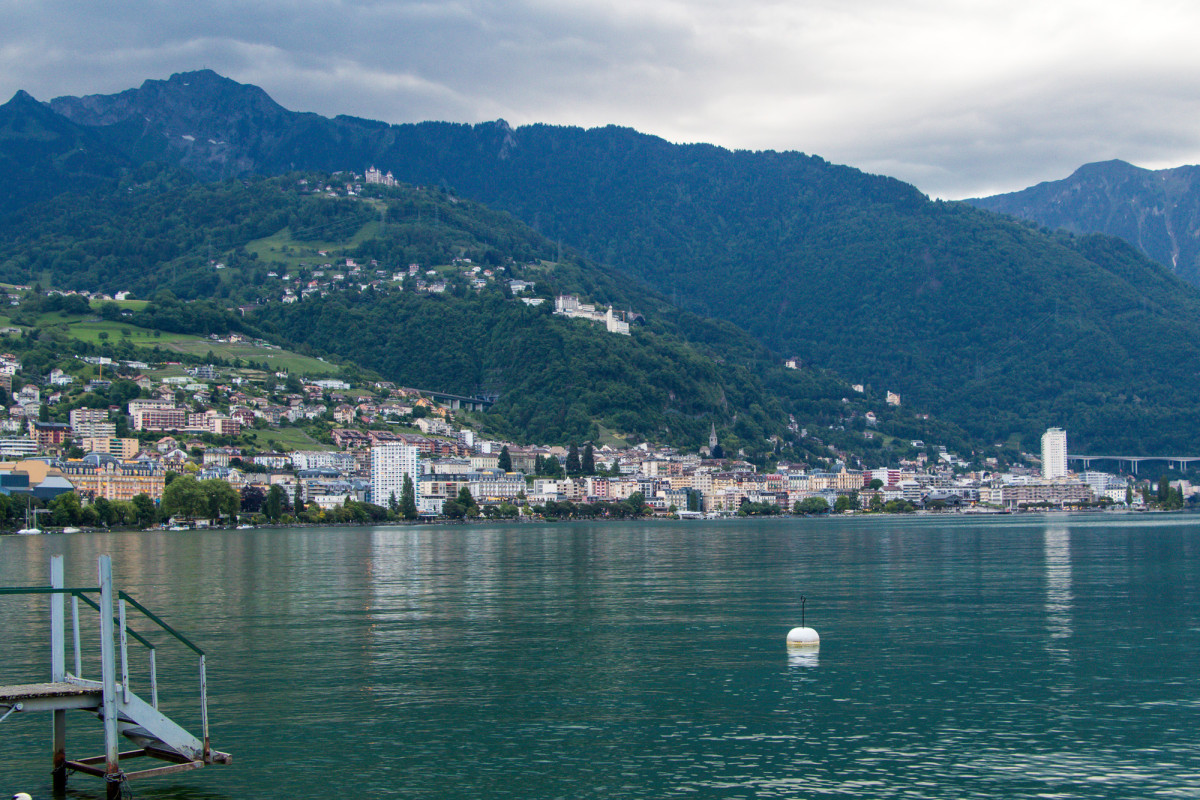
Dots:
pixel 111 699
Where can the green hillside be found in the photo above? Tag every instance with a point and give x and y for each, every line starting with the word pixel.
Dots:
pixel 1002 329
pixel 196 250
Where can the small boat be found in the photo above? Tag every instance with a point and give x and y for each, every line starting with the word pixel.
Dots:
pixel 244 527
pixel 72 530
pixel 31 528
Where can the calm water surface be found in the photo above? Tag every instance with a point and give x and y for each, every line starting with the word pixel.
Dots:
pixel 1020 657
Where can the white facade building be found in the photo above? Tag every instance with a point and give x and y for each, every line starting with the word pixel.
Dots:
pixel 1054 454
pixel 390 462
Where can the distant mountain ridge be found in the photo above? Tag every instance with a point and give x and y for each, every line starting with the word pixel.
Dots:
pixel 1157 211
pixel 212 125
pixel 989 323
pixel 42 155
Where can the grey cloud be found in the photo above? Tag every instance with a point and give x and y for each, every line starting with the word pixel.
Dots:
pixel 958 99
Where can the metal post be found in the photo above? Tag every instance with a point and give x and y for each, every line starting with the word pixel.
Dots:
pixel 108 669
pixel 58 673
pixel 153 680
pixel 75 635
pixel 124 654
pixel 204 706
pixel 58 650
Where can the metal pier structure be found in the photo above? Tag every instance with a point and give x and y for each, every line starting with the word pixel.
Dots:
pixel 163 743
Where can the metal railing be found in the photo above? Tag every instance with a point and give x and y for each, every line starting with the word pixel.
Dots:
pixel 122 630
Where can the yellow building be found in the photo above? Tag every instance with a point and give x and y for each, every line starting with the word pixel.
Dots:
pixel 106 476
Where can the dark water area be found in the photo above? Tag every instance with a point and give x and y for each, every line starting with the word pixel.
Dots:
pixel 1019 657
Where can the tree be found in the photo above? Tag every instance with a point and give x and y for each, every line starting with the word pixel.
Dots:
pixel 408 499
pixel 221 499
pixel 812 505
pixel 453 509
pixel 1174 501
pixel 65 509
pixel 470 507
pixel 505 462
pixel 875 484
pixel 588 465
pixel 106 512
pixel 252 499
pixel 184 497
pixel 144 510
pixel 573 465
pixel 272 505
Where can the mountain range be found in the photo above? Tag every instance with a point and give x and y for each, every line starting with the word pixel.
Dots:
pixel 1156 211
pixel 990 323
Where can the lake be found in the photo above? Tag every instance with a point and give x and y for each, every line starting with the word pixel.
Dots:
pixel 1028 656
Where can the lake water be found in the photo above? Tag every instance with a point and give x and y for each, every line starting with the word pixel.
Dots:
pixel 1015 657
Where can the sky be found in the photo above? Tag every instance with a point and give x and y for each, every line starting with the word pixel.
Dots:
pixel 961 98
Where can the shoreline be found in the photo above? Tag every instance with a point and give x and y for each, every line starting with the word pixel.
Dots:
pixel 652 518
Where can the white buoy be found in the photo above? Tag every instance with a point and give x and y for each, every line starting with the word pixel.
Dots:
pixel 21 796
pixel 803 637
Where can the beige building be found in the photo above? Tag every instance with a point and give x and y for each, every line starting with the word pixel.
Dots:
pixel 112 478
pixel 111 446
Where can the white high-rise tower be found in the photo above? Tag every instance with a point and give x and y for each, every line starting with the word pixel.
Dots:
pixel 1054 454
pixel 390 463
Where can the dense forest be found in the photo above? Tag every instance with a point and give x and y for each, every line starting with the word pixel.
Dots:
pixel 1156 211
pixel 1000 327
pixel 196 249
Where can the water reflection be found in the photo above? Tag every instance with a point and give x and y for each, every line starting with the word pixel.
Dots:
pixel 804 656
pixel 1057 546
pixel 972 658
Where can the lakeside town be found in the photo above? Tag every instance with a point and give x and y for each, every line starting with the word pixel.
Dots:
pixel 180 447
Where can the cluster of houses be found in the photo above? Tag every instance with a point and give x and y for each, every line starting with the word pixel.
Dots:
pixel 381 434
pixel 321 279
pixel 367 463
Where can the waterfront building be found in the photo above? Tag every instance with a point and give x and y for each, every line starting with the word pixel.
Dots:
pixel 1054 454
pixel 100 475
pixel 390 463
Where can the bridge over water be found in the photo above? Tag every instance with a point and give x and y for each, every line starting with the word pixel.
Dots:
pixel 1133 461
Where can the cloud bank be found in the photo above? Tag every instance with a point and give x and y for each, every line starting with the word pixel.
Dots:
pixel 959 97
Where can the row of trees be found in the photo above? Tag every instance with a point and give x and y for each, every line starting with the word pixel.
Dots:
pixel 850 502
pixel 631 508
pixel 67 510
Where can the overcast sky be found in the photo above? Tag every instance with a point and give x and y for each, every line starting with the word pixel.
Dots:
pixel 959 97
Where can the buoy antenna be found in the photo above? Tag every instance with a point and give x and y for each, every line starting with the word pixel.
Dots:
pixel 803 600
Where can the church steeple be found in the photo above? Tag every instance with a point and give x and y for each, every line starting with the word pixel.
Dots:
pixel 712 437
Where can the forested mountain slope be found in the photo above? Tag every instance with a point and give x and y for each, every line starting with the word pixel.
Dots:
pixel 453 325
pixel 1000 327
pixel 42 155
pixel 1156 211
